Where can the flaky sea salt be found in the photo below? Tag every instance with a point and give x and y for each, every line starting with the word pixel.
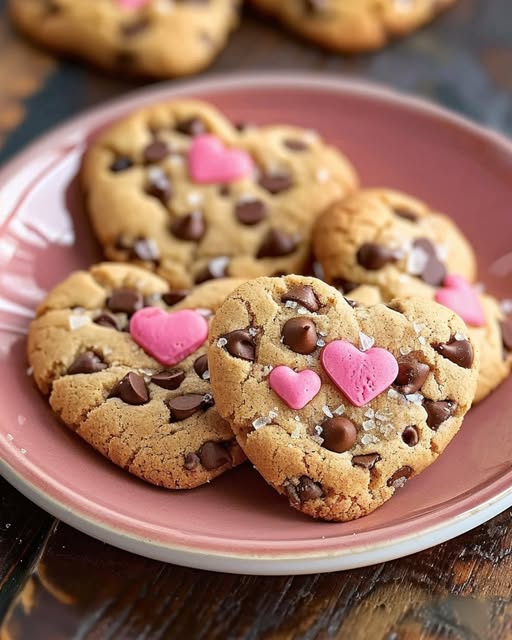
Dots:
pixel 302 310
pixel 393 393
pixel 417 261
pixel 273 413
pixel 260 422
pixel 459 336
pixel 327 411
pixel 415 398
pixel 206 375
pixel 296 418
pixel 381 416
pixel 323 175
pixel 267 369
pixel 77 321
pixel 369 439
pixel 418 327
pixel 365 342
pixel 404 351
pixel 422 340
pixel 368 425
pixel 319 430
pixel 222 342
pixel 340 410
pixel 253 332
pixel 194 198
pixel 369 413
pixel 296 433
pixel 291 304
pixel 320 342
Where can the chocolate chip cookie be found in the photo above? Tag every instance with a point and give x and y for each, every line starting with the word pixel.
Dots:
pixel 353 25
pixel 179 189
pixel 122 360
pixel 160 38
pixel 338 406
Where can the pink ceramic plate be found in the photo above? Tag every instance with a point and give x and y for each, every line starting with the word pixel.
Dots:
pixel 238 524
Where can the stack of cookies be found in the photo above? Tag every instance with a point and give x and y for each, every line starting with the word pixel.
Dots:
pixel 204 342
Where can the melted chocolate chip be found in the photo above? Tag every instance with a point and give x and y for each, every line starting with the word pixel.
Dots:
pixel 373 256
pixel 410 436
pixel 367 461
pixel 307 489
pixel 300 335
pixel 201 365
pixel 191 461
pixel 438 412
pixel 303 295
pixel 339 434
pixel 406 214
pixel 275 183
pixel 191 127
pixel 276 244
pixel 173 297
pixel 400 477
pixel 434 271
pixel 131 389
pixel 190 227
pixel 411 374
pixel 214 455
pixel 225 190
pixel 125 301
pixel 159 186
pixel 183 407
pixel 240 344
pixel 145 249
pixel 295 145
pixel 169 379
pixel 156 151
pixel 86 362
pixel 107 320
pixel 121 164
pixel 459 352
pixel 250 212
pixel 506 333
pixel 315 6
pixel 216 268
pixel 344 286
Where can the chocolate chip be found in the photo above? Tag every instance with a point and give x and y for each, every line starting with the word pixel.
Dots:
pixel 213 455
pixel 367 461
pixel 225 190
pixel 159 186
pixel 86 362
pixel 156 151
pixel 344 286
pixel 303 295
pixel 300 335
pixel 373 256
pixel 434 271
pixel 191 461
pixel 169 379
pixel 250 212
pixel 183 407
pixel 411 374
pixel 190 227
pixel 275 183
pixel 216 268
pixel 121 164
pixel 107 320
pixel 134 28
pixel 173 297
pixel 307 489
pixel 438 411
pixel 400 477
pixel 240 344
pixel 131 389
pixel 277 243
pixel 315 6
pixel 191 127
pixel 506 333
pixel 145 249
pixel 125 301
pixel 201 365
pixel 339 434
pixel 295 145
pixel 406 214
pixel 459 352
pixel 410 436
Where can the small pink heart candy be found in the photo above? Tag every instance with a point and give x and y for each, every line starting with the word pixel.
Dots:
pixel 168 337
pixel 210 162
pixel 360 375
pixel 295 388
pixel 132 4
pixel 459 296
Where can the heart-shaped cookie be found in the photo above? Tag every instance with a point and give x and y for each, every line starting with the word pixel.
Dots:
pixel 353 443
pixel 144 403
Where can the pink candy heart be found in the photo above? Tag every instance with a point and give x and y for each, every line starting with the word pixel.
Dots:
pixel 360 375
pixel 295 388
pixel 132 4
pixel 168 337
pixel 459 296
pixel 210 162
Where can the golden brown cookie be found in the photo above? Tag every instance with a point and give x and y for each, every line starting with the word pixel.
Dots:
pixel 177 188
pixel 160 38
pixel 154 416
pixel 336 406
pixel 353 25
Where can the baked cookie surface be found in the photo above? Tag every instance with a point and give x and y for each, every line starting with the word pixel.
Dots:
pixel 157 421
pixel 353 25
pixel 337 406
pixel 177 188
pixel 161 38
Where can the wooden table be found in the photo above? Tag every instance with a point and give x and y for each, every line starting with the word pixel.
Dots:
pixel 57 583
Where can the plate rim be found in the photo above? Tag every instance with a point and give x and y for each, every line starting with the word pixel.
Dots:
pixel 275 562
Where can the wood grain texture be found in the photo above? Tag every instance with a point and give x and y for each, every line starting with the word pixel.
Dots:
pixel 83 589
